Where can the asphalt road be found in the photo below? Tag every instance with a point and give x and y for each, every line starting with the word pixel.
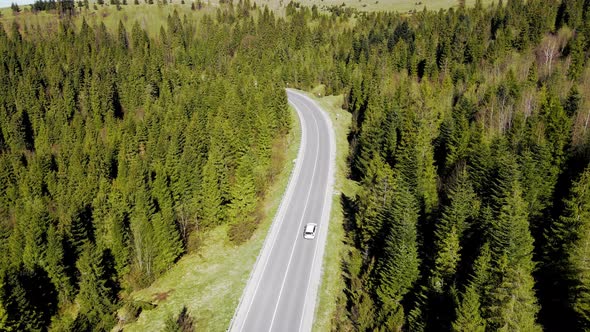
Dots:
pixel 282 290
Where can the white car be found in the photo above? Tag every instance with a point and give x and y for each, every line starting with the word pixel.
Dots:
pixel 309 231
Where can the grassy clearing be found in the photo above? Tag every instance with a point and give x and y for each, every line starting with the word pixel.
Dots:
pixel 150 17
pixel 332 283
pixel 401 6
pixel 209 283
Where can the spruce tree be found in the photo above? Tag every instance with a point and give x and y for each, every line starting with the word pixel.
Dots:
pixel 569 238
pixel 97 296
pixel 55 265
pixel 398 269
pixel 513 302
pixel 376 194
pixel 456 218
pixel 122 36
pixel 471 308
pixel 142 236
pixel 34 224
pixel 167 242
pixel 243 203
pixel 468 313
pixel 3 315
pixel 211 195
pixel 29 298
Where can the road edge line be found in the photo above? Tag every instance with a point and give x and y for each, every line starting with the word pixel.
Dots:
pixel 272 233
pixel 317 268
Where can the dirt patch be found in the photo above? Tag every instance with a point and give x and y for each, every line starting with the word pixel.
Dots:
pixel 163 296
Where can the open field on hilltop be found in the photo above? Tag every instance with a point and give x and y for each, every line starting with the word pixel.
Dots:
pixel 402 6
pixel 150 17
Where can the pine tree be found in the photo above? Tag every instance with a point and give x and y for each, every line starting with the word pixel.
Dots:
pixel 29 298
pixel 573 101
pixel 34 229
pixel 372 135
pixel 513 303
pixel 569 238
pixel 376 194
pixel 118 230
pixel 97 295
pixel 398 269
pixel 456 218
pixel 3 313
pixel 122 35
pixel 55 266
pixel 558 126
pixel 142 235
pixel 167 242
pixel 469 312
pixel 212 195
pixel 243 204
pixel 578 57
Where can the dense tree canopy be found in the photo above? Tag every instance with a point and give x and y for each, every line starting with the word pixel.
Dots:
pixel 469 141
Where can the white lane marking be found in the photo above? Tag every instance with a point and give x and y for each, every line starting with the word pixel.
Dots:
pixel 287 198
pixel 315 250
pixel 309 308
pixel 299 227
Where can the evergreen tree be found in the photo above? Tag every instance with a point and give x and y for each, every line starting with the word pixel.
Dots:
pixel 456 218
pixel 122 34
pixel 468 313
pixel 568 238
pixel 376 194
pixel 184 322
pixel 29 299
pixel 558 126
pixel 97 296
pixel 55 265
pixel 212 195
pixel 513 303
pixel 35 245
pixel 167 241
pixel 142 236
pixel 243 204
pixel 578 57
pixel 398 269
pixel 3 314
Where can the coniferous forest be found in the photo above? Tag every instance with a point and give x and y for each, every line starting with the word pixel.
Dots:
pixel 469 142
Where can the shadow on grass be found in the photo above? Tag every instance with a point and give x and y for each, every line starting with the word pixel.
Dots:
pixel 349 208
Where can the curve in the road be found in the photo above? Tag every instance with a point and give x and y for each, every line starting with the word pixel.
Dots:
pixel 281 292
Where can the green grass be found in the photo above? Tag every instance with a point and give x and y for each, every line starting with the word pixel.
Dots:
pixel 150 17
pixel 210 283
pixel 332 283
pixel 401 6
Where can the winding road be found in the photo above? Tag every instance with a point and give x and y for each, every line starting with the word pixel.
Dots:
pixel 281 293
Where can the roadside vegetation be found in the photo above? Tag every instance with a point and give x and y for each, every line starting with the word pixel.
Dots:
pixel 209 282
pixel 332 281
pixel 119 151
pixel 469 141
pixel 463 199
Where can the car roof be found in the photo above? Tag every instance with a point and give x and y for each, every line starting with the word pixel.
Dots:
pixel 310 226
